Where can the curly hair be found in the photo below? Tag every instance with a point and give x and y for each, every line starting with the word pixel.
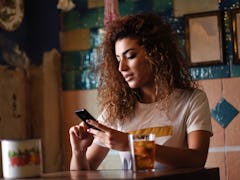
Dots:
pixel 169 68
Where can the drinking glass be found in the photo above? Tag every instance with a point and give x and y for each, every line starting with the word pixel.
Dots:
pixel 142 151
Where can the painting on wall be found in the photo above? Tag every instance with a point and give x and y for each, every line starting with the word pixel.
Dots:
pixel 182 7
pixel 203 33
pixel 235 16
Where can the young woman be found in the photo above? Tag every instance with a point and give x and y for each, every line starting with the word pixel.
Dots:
pixel 144 87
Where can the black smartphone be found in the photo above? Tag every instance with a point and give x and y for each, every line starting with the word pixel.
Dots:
pixel 83 114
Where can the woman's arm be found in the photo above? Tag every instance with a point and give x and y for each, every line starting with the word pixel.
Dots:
pixel 95 155
pixel 193 156
pixel 89 160
pixel 85 154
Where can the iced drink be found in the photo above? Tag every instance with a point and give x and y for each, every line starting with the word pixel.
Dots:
pixel 142 151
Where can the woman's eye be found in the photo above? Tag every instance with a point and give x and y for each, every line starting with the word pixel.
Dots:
pixel 131 56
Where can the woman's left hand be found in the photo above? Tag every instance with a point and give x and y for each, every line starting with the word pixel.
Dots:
pixel 111 138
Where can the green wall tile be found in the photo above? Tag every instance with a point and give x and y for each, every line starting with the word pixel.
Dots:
pixel 162 6
pixel 92 18
pixel 96 35
pixel 71 20
pixel 235 70
pixel 224 112
pixel 79 70
pixel 69 80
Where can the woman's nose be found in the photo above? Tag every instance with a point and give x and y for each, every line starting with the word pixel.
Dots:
pixel 123 65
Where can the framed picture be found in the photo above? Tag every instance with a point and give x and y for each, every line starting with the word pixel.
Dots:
pixel 203 35
pixel 235 16
pixel 182 7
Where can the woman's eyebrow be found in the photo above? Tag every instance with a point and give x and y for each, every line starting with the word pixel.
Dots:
pixel 125 52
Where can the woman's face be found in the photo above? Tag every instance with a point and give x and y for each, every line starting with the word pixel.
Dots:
pixel 133 64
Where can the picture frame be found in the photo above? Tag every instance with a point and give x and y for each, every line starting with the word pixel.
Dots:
pixel 235 32
pixel 203 38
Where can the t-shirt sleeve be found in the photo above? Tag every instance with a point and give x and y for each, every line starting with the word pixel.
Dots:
pixel 199 112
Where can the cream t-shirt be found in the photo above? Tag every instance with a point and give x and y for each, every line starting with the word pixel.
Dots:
pixel 188 111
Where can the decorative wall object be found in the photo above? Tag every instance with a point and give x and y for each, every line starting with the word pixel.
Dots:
pixel 235 15
pixel 224 112
pixel 12 54
pixel 204 38
pixel 182 7
pixel 11 14
pixel 65 5
pixel 111 11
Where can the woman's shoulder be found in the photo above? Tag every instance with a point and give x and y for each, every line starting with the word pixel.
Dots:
pixel 197 96
pixel 190 93
pixel 193 91
pixel 199 92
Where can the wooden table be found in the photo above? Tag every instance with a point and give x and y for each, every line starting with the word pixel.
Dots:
pixel 179 174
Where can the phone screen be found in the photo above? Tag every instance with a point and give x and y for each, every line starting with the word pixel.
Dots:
pixel 84 115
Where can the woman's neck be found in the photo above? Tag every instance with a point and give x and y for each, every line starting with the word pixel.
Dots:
pixel 147 96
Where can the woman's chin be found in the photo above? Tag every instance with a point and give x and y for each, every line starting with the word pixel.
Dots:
pixel 132 85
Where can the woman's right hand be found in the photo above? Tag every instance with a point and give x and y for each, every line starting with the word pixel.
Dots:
pixel 80 139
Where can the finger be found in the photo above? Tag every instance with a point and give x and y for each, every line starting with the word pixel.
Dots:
pixel 98 125
pixel 78 131
pixel 98 135
pixel 83 124
pixel 73 131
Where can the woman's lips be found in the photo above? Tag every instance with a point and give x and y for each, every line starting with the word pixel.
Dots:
pixel 128 77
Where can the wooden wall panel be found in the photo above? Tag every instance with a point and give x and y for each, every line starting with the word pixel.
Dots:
pixel 13 105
